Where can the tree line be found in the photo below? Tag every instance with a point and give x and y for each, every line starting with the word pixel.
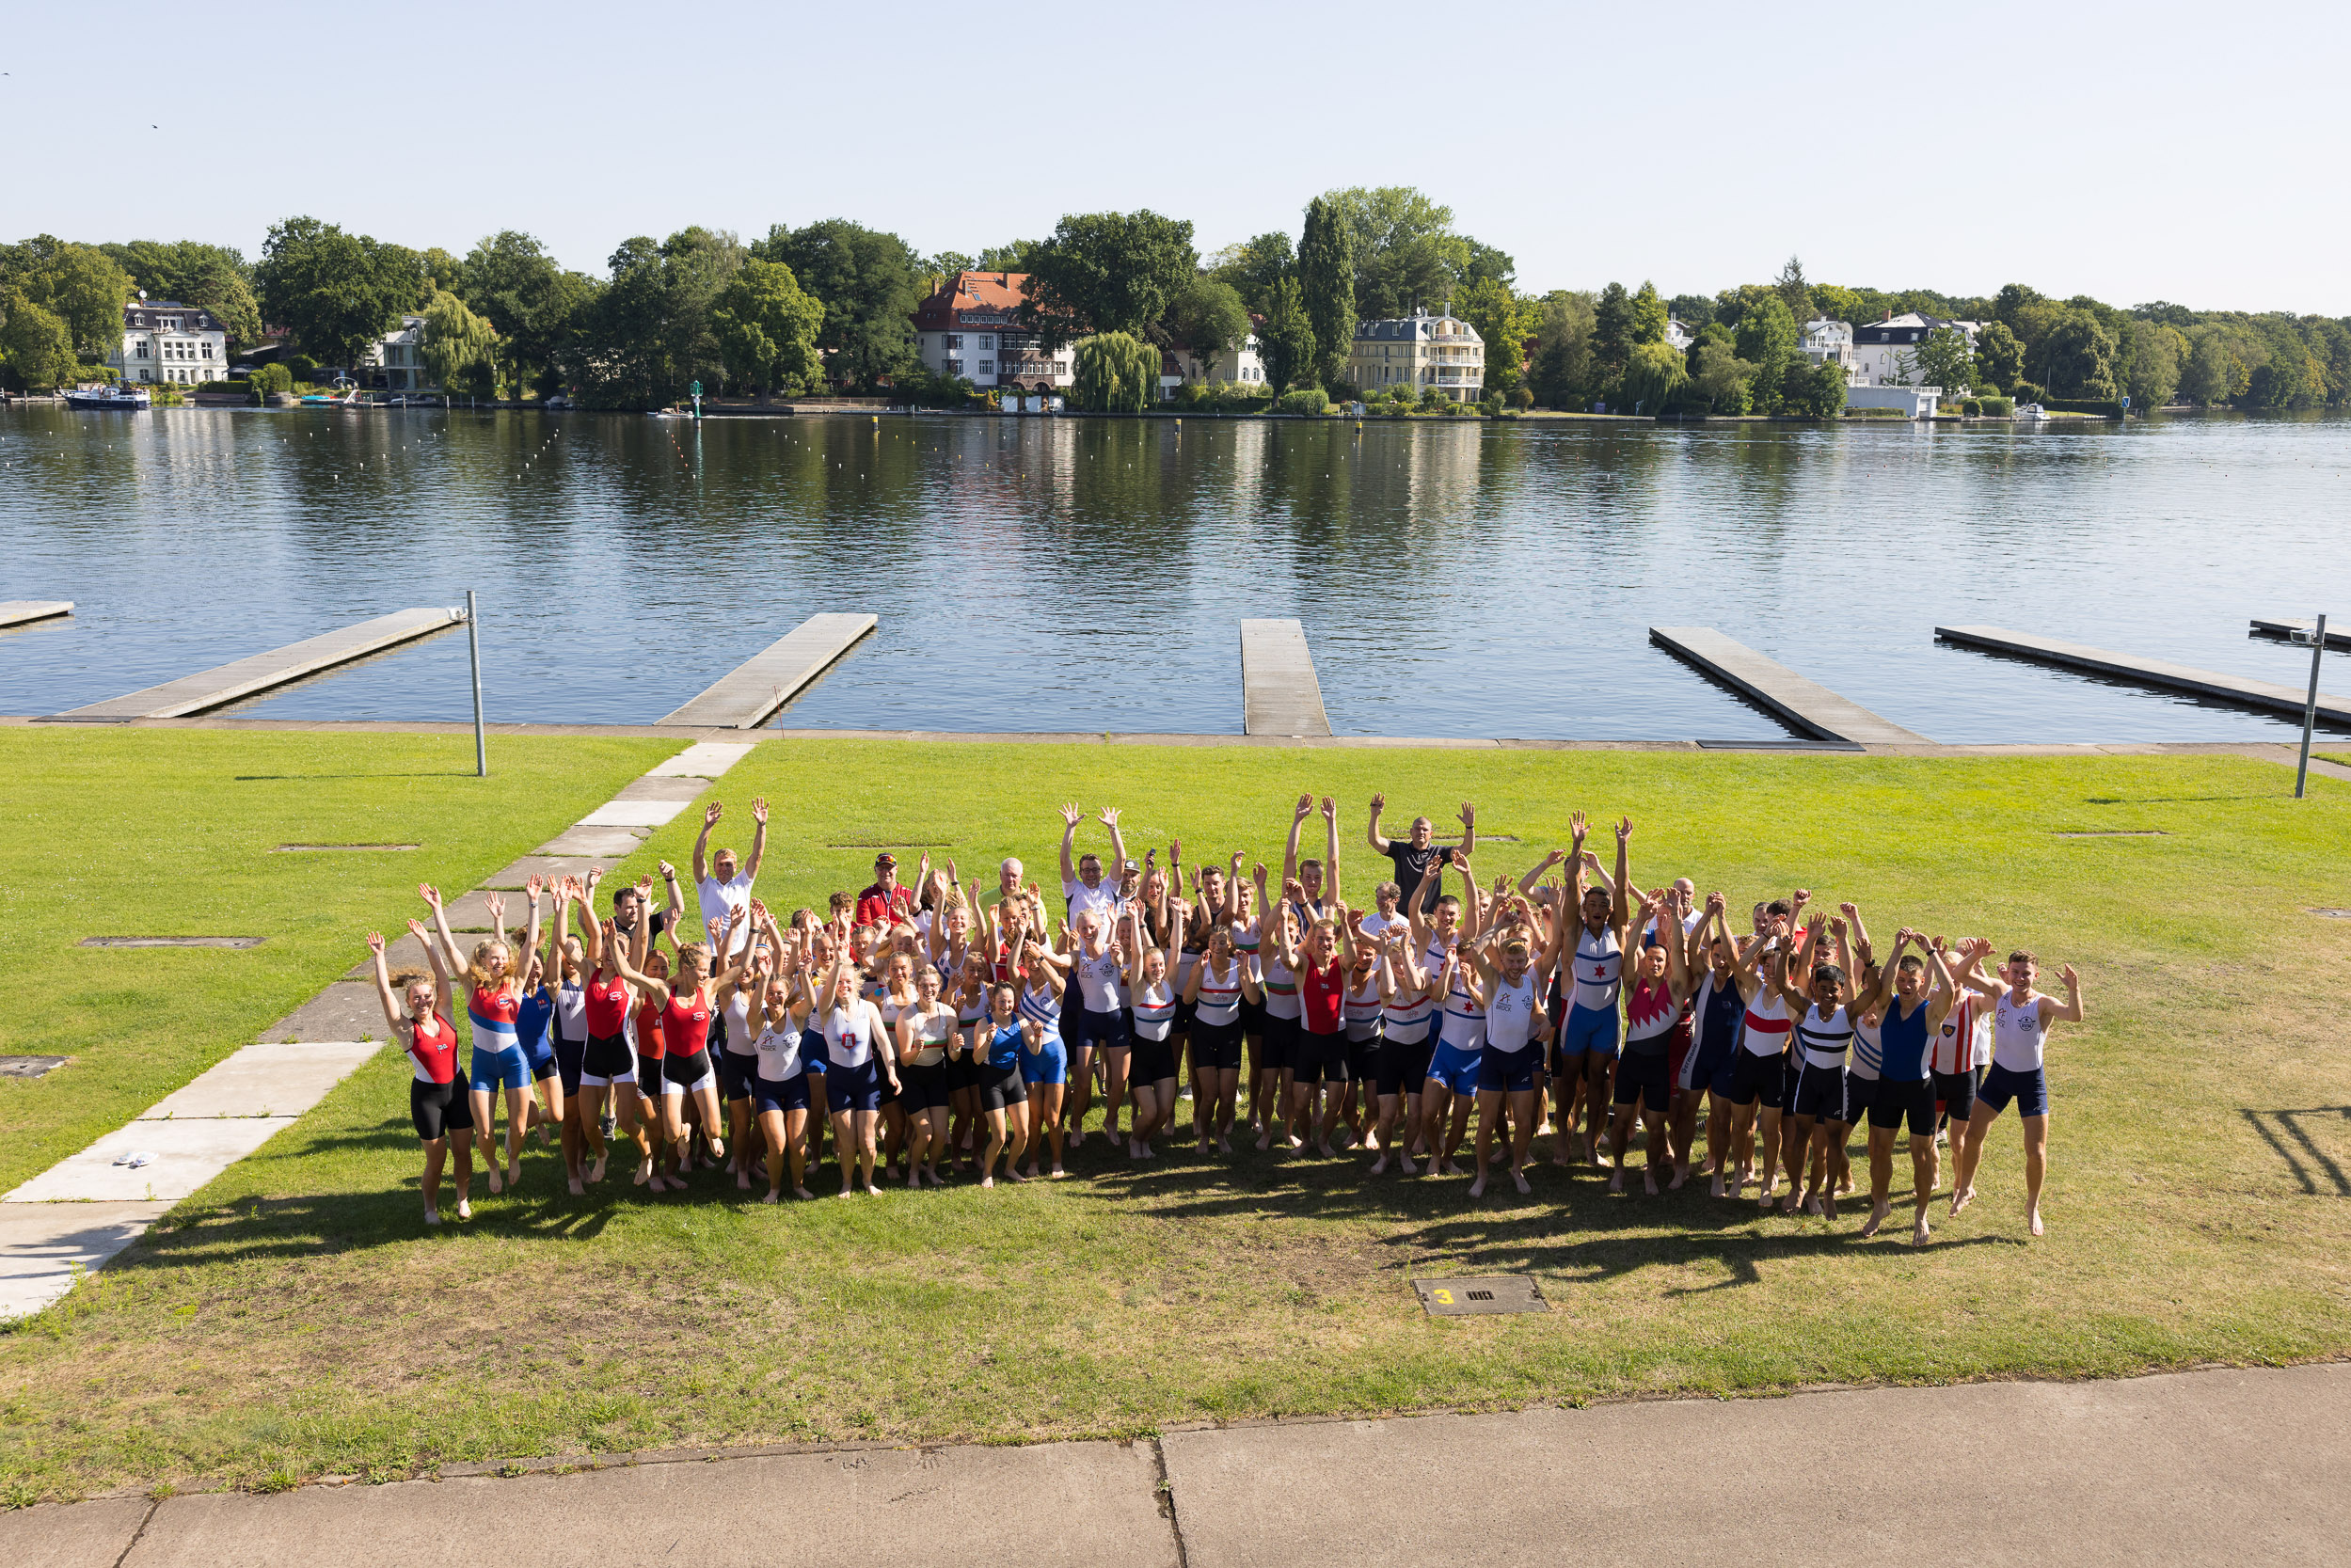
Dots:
pixel 829 304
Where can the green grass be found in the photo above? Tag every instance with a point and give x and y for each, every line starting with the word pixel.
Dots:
pixel 151 833
pixel 294 1319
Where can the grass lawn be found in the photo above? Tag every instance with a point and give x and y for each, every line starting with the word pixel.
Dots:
pixel 293 1320
pixel 172 832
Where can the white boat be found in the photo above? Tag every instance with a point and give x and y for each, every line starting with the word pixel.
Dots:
pixel 128 400
pixel 2030 411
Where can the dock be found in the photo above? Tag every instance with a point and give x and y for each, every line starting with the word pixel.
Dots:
pixel 17 612
pixel 2286 626
pixel 749 694
pixel 212 688
pixel 2288 700
pixel 1279 694
pixel 1806 705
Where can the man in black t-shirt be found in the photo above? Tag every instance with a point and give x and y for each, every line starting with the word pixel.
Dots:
pixel 1415 855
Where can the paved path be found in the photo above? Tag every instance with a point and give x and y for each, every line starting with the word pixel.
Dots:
pixel 87 1207
pixel 2234 1467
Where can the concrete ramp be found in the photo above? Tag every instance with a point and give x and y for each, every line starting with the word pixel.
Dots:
pixel 1806 705
pixel 17 612
pixel 748 695
pixel 1279 694
pixel 2288 700
pixel 212 688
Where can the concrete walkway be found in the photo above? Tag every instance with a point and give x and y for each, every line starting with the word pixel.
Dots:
pixel 83 1210
pixel 2232 1466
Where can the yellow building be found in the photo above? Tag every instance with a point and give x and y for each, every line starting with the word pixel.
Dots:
pixel 1420 352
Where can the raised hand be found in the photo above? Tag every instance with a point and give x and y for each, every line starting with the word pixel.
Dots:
pixel 1109 818
pixel 1803 896
pixel 1260 870
pixel 1624 831
pixel 1456 859
pixel 430 894
pixel 535 887
pixel 1175 851
pixel 495 902
pixel 1379 802
pixel 375 943
pixel 1330 808
pixel 1468 816
pixel 596 877
pixel 1576 828
pixel 1071 816
pixel 415 929
pixel 669 872
pixel 759 810
pixel 1848 912
pixel 712 814
pixel 716 928
pixel 1306 806
pixel 1838 926
pixel 2072 981
pixel 1716 903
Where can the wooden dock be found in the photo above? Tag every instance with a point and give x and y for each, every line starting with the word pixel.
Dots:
pixel 17 612
pixel 1806 705
pixel 2287 699
pixel 2336 637
pixel 748 695
pixel 1279 694
pixel 212 688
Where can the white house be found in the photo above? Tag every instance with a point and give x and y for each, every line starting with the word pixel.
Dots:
pixel 1829 342
pixel 971 328
pixel 1242 364
pixel 1881 349
pixel 395 362
pixel 1420 351
pixel 1678 336
pixel 163 340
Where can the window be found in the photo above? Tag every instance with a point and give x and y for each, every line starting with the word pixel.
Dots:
pixel 208 350
pixel 170 324
pixel 987 342
pixel 1060 367
pixel 143 346
pixel 986 367
pixel 954 340
pixel 955 367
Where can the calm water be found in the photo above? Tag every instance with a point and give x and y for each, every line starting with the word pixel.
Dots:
pixel 1467 579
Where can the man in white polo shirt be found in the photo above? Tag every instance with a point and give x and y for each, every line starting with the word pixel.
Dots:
pixel 1082 881
pixel 721 886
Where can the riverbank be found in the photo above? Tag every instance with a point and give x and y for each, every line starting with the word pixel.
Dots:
pixel 2192 1215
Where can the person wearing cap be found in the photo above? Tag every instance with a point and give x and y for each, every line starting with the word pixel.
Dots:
pixel 888 899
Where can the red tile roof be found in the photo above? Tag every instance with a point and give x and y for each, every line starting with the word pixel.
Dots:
pixel 974 299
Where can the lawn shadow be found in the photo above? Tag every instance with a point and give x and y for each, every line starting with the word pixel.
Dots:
pixel 2284 1131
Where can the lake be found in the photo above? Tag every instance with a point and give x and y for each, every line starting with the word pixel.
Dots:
pixel 1464 578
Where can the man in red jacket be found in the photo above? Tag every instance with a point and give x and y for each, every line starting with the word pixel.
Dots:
pixel 887 899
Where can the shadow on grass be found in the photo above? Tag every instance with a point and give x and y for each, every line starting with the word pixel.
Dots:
pixel 387 774
pixel 2285 1132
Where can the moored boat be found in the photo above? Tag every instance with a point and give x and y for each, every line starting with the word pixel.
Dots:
pixel 129 399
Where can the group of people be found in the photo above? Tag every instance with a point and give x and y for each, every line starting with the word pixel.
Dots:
pixel 938 1030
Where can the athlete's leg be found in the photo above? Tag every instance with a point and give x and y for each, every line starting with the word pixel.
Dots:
pixel 1115 1062
pixel 436 1150
pixel 1489 1107
pixel 2035 1167
pixel 1881 1176
pixel 1044 1109
pixel 1526 1105
pixel 1620 1141
pixel 1922 1169
pixel 1963 1178
pixel 1077 1095
pixel 1600 1071
pixel 997 1141
pixel 461 1149
pixel 771 1130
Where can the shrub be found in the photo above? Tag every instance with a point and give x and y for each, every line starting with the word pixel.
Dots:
pixel 2027 392
pixel 1523 399
pixel 301 367
pixel 96 373
pixel 1875 414
pixel 1491 405
pixel 235 384
pixel 1970 407
pixel 1997 408
pixel 272 378
pixel 1306 400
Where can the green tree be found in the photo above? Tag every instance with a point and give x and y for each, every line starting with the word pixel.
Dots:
pixel 1114 372
pixel 1486 264
pixel 83 287
pixel 1210 320
pixel 2210 377
pixel 1613 340
pixel 1006 258
pixel 1499 317
pixel 1649 314
pixel 1794 291
pixel 510 278
pixel 1653 377
pixel 1253 266
pixel 1943 359
pixel 212 277
pixel 337 293
pixel 1563 373
pixel 2079 357
pixel 870 281
pixel 1693 310
pixel 460 348
pixel 1406 251
pixel 648 333
pixel 443 274
pixel 1718 375
pixel 1285 340
pixel 1108 271
pixel 1999 358
pixel 767 327
pixel 2156 352
pixel 947 266
pixel 1326 283
pixel 36 345
pixel 1817 392
pixel 1766 340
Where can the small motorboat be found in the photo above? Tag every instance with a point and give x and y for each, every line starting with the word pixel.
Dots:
pixel 2031 412
pixel 106 395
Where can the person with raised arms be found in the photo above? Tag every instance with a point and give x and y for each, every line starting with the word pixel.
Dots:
pixel 1449 1090
pixel 683 998
pixel 1222 983
pixel 1600 934
pixel 1318 1059
pixel 1506 975
pixel 1302 881
pixel 924 1026
pixel 1153 985
pixel 1045 1059
pixel 1760 1066
pixel 1902 1090
pixel 1718 1013
pixel 779 1084
pixel 1407 1008
pixel 997 1043
pixel 860 1059
pixel 437 1090
pixel 1653 1010
pixel 1823 998
pixel 1416 856
pixel 493 1002
pixel 2019 1073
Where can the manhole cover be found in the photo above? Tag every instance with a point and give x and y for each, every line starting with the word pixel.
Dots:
pixel 28 1067
pixel 2333 914
pixel 322 849
pixel 170 941
pixel 2118 832
pixel 1457 1298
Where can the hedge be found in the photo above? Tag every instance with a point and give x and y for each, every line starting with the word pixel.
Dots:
pixel 2078 405
pixel 1997 408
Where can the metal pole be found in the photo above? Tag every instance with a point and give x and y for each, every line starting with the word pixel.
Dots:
pixel 2310 707
pixel 473 645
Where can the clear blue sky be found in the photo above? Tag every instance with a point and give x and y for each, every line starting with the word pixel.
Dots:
pixel 2191 153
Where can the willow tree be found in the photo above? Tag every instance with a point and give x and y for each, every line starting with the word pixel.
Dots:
pixel 460 348
pixel 1114 372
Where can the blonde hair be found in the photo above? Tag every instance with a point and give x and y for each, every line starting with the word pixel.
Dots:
pixel 477 968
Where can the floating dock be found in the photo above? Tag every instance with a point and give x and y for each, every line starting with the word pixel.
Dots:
pixel 1806 705
pixel 748 695
pixel 17 612
pixel 2336 637
pixel 212 688
pixel 2288 700
pixel 1279 694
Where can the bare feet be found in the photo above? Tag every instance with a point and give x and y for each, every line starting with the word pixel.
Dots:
pixel 1717 1189
pixel 1961 1199
pixel 595 1172
pixel 1379 1166
pixel 465 1210
pixel 802 1192
pixel 1224 1146
pixel 1681 1174
pixel 1827 1206
pixel 2032 1218
pixel 987 1181
pixel 576 1190
pixel 1265 1142
pixel 1326 1151
pixel 1877 1212
pixel 497 1185
pixel 1520 1178
pixel 1648 1181
pixel 1477 1188
pixel 1057 1173
pixel 1616 1181
pixel 645 1172
pixel 772 1198
pixel 1403 1163
pixel 1918 1230
pixel 432 1217
pixel 872 1191
pixel 743 1181
pixel 514 1173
